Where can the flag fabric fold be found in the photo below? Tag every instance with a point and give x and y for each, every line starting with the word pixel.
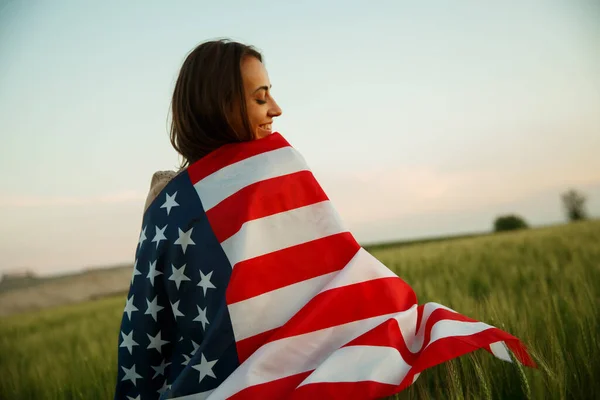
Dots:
pixel 247 285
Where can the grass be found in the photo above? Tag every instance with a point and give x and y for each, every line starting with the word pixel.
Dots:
pixel 541 285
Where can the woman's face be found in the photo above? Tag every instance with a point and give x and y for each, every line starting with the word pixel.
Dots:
pixel 260 105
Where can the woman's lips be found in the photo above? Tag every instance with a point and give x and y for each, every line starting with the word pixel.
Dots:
pixel 265 127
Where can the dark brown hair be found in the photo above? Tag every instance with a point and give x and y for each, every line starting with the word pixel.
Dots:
pixel 208 93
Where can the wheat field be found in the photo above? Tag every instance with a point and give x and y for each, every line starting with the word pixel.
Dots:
pixel 541 285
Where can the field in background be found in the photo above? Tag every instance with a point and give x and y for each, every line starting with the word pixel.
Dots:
pixel 30 293
pixel 542 285
pixel 23 291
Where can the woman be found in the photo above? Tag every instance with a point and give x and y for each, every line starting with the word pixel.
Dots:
pixel 247 285
pixel 222 87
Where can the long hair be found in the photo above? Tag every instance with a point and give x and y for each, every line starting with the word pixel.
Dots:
pixel 208 94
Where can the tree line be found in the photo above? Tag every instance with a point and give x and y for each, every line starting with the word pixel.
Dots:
pixel 573 203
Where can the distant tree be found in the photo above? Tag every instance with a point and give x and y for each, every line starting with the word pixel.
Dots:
pixel 574 204
pixel 509 223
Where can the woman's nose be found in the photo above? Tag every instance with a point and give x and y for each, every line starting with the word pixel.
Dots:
pixel 275 110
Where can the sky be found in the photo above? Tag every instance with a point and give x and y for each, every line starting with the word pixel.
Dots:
pixel 419 119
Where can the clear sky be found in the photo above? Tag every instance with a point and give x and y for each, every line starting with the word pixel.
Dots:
pixel 419 118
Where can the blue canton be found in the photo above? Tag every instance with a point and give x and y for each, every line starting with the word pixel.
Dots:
pixel 176 336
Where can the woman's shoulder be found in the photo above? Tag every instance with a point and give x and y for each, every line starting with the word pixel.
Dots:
pixel 159 180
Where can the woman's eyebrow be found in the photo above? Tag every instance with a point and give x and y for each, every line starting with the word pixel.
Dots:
pixel 263 88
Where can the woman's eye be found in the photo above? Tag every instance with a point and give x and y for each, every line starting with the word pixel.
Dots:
pixel 261 102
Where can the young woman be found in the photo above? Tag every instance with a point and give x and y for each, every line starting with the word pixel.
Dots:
pixel 246 283
pixel 222 95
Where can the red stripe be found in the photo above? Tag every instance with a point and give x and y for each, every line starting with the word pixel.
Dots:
pixel 406 382
pixel 246 347
pixel 520 352
pixel 454 346
pixel 294 264
pixel 419 316
pixel 276 389
pixel 232 153
pixel 288 388
pixel 446 349
pixel 264 198
pixel 343 391
pixel 349 303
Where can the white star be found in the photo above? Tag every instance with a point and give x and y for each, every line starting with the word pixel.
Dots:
pixel 135 272
pixel 152 272
pixel 175 308
pixel 187 359
pixel 196 347
pixel 153 308
pixel 142 237
pixel 202 317
pixel 205 367
pixel 128 341
pixel 178 275
pixel 164 388
pixel 205 282
pixel 160 370
pixel 170 203
pixel 156 342
pixel 160 235
pixel 130 374
pixel 185 239
pixel 136 398
pixel 129 307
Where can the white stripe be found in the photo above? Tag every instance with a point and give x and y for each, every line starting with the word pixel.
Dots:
pixel 361 268
pixel 279 231
pixel 408 325
pixel 362 363
pixel 384 364
pixel 448 327
pixel 416 377
pixel 223 183
pixel 273 309
pixel 293 355
pixel 444 328
pixel 499 350
pixel 197 396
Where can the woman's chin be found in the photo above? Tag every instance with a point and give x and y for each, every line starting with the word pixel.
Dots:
pixel 262 133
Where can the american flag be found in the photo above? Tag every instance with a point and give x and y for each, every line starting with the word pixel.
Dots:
pixel 247 285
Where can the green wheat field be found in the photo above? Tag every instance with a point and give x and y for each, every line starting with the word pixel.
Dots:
pixel 541 285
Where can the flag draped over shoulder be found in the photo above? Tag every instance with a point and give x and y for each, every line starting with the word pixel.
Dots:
pixel 247 285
